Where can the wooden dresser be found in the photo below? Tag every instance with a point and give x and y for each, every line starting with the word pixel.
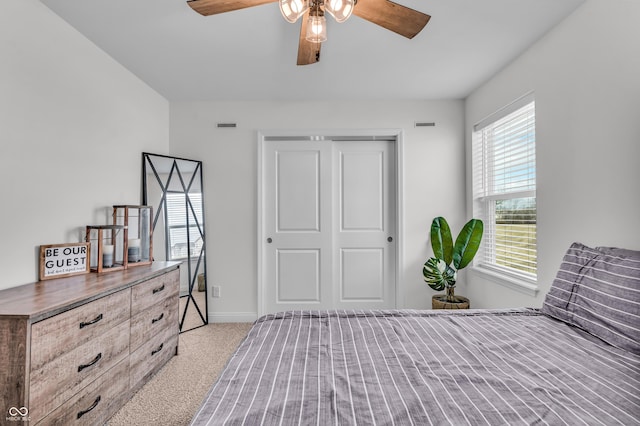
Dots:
pixel 74 350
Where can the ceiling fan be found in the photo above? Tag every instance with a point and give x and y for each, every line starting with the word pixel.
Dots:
pixel 392 16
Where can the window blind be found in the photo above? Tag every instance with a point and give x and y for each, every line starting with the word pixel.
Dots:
pixel 504 188
pixel 183 238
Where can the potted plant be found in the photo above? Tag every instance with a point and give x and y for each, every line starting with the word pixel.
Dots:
pixel 441 271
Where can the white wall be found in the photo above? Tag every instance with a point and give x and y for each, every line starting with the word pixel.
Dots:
pixel 434 180
pixel 585 74
pixel 73 124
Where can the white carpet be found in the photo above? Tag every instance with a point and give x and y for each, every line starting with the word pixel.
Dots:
pixel 172 397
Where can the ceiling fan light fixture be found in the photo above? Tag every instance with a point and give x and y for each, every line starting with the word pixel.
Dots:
pixel 316 29
pixel 292 10
pixel 341 10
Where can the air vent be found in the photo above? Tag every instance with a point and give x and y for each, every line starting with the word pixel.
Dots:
pixel 424 124
pixel 227 125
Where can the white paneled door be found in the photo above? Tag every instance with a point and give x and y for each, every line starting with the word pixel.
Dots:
pixel 329 224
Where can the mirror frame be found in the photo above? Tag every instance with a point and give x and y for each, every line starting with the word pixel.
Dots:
pixel 148 169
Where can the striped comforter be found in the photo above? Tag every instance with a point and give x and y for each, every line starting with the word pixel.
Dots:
pixel 478 367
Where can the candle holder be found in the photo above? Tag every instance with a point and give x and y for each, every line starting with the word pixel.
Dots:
pixel 139 223
pixel 108 247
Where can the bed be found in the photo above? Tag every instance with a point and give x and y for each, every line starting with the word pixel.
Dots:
pixel 575 361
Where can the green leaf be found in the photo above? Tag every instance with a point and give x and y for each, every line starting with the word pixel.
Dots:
pixel 438 275
pixel 441 240
pixel 467 243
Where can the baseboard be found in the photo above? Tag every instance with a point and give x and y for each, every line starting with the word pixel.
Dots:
pixel 232 317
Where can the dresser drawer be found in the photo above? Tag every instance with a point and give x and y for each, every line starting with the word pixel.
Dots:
pixel 153 321
pixel 59 334
pixel 96 403
pixel 57 381
pixel 149 293
pixel 151 356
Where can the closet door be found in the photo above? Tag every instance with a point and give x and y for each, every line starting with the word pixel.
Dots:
pixel 297 218
pixel 364 224
pixel 328 224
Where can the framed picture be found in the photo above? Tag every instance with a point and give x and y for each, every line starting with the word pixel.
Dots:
pixel 64 260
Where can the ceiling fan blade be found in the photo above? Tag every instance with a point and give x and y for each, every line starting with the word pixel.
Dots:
pixel 213 7
pixel 308 51
pixel 392 16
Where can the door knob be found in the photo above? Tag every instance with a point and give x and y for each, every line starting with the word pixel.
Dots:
pixel 269 240
pixel 390 239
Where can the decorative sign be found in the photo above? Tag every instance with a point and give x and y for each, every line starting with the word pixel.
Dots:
pixel 63 260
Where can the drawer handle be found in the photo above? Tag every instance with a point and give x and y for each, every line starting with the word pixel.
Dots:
pixel 157 350
pixel 155 320
pixel 92 362
pixel 158 289
pixel 93 321
pixel 94 405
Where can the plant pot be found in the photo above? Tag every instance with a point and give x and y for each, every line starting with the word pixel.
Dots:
pixel 439 301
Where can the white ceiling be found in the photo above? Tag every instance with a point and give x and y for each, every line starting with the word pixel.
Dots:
pixel 250 54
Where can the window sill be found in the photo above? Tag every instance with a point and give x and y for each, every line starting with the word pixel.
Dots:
pixel 514 282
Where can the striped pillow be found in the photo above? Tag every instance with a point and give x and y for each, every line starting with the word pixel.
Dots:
pixel 599 291
pixel 615 251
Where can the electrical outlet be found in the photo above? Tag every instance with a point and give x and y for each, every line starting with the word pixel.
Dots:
pixel 215 291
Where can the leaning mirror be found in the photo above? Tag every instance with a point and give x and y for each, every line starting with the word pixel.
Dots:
pixel 173 187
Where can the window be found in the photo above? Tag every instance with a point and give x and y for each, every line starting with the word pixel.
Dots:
pixel 504 189
pixel 183 237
